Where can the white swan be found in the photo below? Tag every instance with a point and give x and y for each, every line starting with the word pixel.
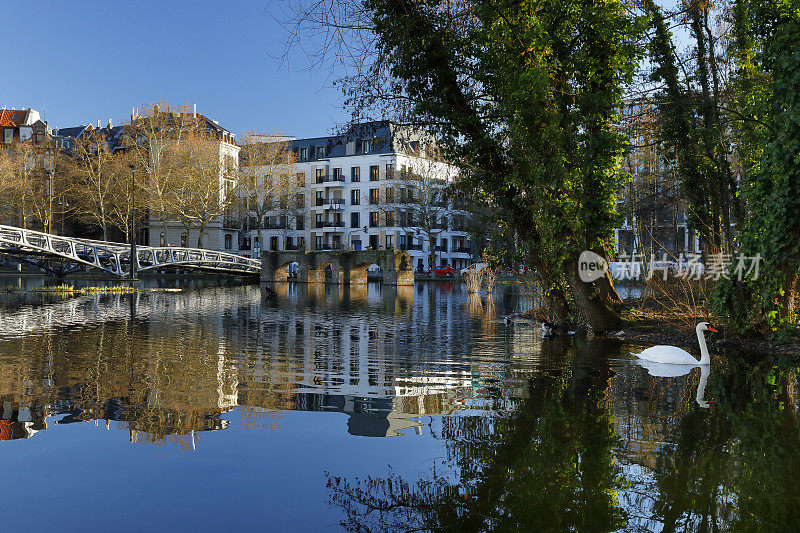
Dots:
pixel 673 355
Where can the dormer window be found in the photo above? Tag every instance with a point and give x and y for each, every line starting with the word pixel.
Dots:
pixel 321 152
pixel 304 154
pixel 366 146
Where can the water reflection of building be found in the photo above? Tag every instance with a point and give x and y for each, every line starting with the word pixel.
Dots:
pixel 172 364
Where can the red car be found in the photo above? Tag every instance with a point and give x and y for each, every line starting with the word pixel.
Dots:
pixel 443 271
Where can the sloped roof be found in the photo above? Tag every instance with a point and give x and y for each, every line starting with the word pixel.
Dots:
pixel 13 117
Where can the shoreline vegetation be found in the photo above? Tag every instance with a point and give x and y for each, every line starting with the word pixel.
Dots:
pixel 71 290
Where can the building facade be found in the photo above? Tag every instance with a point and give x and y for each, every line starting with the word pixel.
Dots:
pixel 355 191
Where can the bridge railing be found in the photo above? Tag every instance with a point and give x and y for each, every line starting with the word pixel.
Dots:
pixel 115 257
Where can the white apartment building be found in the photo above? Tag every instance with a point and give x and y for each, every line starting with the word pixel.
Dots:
pixel 351 195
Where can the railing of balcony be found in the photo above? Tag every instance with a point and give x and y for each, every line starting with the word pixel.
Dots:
pixel 335 203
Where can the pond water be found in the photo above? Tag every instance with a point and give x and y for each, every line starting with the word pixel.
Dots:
pixel 373 409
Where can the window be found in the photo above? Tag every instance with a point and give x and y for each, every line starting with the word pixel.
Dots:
pixel 373 242
pixel 228 241
pixel 355 197
pixel 162 240
pixel 390 218
pixel 299 200
pixel 403 241
pixel 300 222
pixel 304 154
pixel 273 243
pixel 320 200
pixel 321 152
pixel 320 175
pixel 390 195
pixel 8 135
pixel 319 220
pixel 301 243
pixel 183 239
pixel 373 173
pixel 373 196
pixel 355 174
pixel 337 174
pixel 320 244
pixel 389 242
pixel 301 179
pixel 390 171
pixel 289 244
pixel 373 219
pixel 354 220
pixel 366 146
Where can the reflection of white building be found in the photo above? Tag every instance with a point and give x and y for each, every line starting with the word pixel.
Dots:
pixel 351 197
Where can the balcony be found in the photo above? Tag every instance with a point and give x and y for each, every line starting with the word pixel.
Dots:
pixel 334 203
pixel 411 247
pixel 335 225
pixel 441 248
pixel 462 250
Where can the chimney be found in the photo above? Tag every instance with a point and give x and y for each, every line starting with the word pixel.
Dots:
pixel 98 123
pixel 110 125
pixel 195 110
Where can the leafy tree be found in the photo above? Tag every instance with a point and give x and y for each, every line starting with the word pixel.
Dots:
pixel 692 104
pixel 767 86
pixel 524 97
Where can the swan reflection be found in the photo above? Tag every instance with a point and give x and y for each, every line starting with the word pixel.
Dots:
pixel 664 370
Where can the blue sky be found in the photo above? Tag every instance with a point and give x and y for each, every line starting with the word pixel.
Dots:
pixel 93 60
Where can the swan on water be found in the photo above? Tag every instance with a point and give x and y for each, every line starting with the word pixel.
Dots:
pixel 673 355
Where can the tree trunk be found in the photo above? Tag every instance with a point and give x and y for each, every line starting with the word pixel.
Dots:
pixel 201 229
pixel 589 303
pixel 789 309
pixel 605 285
pixel 432 254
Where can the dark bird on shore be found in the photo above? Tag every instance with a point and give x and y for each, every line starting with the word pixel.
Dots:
pixel 549 329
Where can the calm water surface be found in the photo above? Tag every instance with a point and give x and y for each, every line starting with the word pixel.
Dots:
pixel 373 409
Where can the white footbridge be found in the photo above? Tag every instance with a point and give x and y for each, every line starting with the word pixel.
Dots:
pixel 114 258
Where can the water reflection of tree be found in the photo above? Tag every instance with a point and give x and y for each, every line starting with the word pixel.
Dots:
pixel 734 466
pixel 545 462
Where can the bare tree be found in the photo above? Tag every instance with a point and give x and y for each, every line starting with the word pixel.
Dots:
pixel 268 179
pixel 153 131
pixel 206 188
pixel 419 202
pixel 123 204
pixel 34 182
pixel 96 176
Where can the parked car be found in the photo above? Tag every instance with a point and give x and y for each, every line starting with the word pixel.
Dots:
pixel 474 267
pixel 444 270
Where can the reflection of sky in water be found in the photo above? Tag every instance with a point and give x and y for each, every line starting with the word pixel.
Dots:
pixel 218 407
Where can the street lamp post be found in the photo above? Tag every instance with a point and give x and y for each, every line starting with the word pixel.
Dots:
pixel 133 222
